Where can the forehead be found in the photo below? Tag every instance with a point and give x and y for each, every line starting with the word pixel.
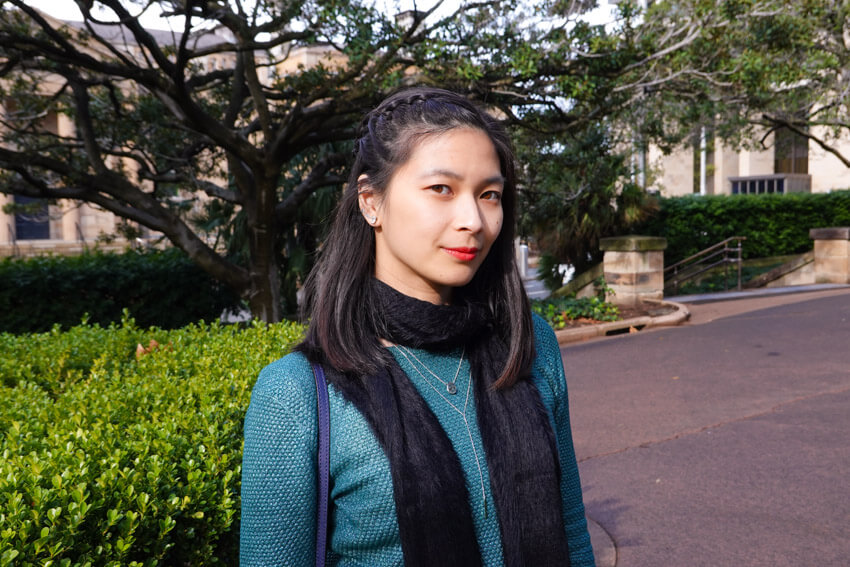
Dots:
pixel 457 152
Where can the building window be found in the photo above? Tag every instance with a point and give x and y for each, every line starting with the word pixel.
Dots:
pixel 32 221
pixel 758 185
pixel 790 152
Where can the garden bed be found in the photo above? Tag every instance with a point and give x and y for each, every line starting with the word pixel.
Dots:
pixel 625 313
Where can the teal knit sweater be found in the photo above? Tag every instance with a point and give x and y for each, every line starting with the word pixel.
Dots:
pixel 279 466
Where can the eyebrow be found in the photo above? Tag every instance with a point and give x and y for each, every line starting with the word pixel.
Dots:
pixel 496 179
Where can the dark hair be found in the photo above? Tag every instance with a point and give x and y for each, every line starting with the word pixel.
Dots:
pixel 338 298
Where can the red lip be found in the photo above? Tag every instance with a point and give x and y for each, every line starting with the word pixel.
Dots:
pixel 463 253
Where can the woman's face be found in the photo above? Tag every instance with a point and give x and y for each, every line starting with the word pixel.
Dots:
pixel 439 216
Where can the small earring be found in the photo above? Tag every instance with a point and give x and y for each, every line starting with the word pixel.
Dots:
pixel 371 219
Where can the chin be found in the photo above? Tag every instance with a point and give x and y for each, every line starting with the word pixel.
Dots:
pixel 459 280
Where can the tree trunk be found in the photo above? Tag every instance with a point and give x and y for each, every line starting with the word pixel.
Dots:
pixel 263 294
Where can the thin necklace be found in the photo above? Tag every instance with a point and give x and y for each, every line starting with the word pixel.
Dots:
pixel 451 387
pixel 462 414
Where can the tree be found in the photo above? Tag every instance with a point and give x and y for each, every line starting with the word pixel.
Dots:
pixel 578 188
pixel 215 134
pixel 746 68
pixel 158 129
pixel 160 133
pixel 580 179
pixel 812 99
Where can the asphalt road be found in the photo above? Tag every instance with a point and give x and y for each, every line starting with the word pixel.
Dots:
pixel 724 442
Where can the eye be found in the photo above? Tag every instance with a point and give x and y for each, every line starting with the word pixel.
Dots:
pixel 441 189
pixel 492 195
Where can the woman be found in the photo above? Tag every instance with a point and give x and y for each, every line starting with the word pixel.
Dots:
pixel 450 431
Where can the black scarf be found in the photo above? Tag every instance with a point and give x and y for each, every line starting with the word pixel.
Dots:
pixel 432 503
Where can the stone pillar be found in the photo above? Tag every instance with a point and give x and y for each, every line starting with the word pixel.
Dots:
pixel 832 254
pixel 633 267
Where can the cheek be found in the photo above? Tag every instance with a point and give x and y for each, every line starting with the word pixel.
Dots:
pixel 496 223
pixel 409 212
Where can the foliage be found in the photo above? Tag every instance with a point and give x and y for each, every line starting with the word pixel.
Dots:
pixel 559 310
pixel 774 225
pixel 220 132
pixel 745 68
pixel 549 272
pixel 116 458
pixel 234 148
pixel 577 191
pixel 161 288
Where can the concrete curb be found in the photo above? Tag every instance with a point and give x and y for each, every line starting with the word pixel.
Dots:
pixel 677 317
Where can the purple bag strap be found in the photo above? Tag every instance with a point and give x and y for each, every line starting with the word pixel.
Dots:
pixel 324 463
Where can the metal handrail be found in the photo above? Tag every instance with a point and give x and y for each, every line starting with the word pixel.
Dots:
pixel 695 263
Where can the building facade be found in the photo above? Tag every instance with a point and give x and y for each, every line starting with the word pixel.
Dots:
pixel 783 163
pixel 64 227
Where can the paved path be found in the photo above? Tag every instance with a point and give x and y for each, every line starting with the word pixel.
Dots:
pixel 533 286
pixel 724 442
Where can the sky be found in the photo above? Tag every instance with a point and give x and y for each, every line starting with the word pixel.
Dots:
pixel 67 10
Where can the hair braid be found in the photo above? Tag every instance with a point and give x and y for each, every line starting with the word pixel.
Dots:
pixel 371 124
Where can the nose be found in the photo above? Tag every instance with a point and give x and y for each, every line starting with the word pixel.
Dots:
pixel 468 214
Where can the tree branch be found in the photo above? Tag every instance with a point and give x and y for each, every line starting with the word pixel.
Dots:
pixel 806 134
pixel 114 193
pixel 86 128
pixel 318 177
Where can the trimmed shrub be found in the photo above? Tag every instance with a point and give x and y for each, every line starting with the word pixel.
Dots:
pixel 160 288
pixel 117 450
pixel 774 225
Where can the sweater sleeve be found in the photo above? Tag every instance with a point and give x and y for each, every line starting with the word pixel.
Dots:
pixel 279 467
pixel 550 365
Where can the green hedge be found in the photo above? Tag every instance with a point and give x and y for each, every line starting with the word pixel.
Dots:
pixel 775 225
pixel 114 458
pixel 160 288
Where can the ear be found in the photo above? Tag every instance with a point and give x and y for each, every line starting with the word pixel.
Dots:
pixel 368 201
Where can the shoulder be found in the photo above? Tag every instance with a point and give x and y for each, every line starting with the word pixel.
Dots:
pixel 286 385
pixel 286 376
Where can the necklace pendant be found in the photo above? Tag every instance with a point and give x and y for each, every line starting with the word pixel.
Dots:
pixel 451 388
